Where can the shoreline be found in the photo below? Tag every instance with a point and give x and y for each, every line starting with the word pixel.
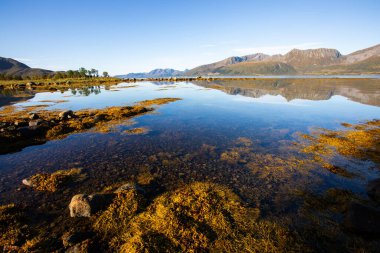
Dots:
pixel 53 85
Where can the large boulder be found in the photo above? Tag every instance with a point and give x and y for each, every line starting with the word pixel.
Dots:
pixel 373 189
pixel 362 219
pixel 83 205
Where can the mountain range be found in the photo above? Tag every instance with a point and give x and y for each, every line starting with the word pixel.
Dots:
pixel 322 61
pixel 156 73
pixel 11 67
pixel 295 62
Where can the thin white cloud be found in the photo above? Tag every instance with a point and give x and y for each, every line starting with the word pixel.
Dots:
pixel 280 49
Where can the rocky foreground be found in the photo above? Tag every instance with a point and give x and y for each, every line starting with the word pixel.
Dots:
pixel 139 215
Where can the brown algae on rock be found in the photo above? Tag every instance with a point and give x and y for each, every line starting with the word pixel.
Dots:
pixel 197 217
pixel 113 222
pixel 157 101
pixel 54 181
pixel 12 229
pixel 16 232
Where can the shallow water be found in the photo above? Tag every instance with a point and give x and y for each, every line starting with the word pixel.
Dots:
pixel 177 147
pixel 235 133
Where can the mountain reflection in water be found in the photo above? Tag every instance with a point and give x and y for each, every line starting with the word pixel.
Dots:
pixel 365 91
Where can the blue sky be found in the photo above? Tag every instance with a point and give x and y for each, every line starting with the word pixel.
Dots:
pixel 133 36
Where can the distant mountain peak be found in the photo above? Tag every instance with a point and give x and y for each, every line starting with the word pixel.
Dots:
pixel 156 73
pixel 319 52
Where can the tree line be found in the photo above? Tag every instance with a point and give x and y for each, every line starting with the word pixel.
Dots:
pixel 80 73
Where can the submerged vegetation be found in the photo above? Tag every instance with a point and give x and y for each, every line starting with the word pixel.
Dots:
pixel 138 130
pixel 361 141
pixel 204 216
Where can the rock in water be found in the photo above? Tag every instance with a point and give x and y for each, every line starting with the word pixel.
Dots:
pixel 83 205
pixel 66 114
pixel 35 122
pixel 362 219
pixel 27 182
pixel 33 116
pixel 129 186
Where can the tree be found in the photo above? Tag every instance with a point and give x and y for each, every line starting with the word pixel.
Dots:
pixel 70 73
pixel 58 75
pixel 105 74
pixel 93 72
pixel 82 72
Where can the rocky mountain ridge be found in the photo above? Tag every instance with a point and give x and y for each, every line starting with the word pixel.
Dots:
pixel 296 61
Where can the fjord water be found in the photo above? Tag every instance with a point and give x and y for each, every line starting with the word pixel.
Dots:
pixel 187 137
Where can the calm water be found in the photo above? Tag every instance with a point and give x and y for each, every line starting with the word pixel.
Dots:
pixel 187 137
